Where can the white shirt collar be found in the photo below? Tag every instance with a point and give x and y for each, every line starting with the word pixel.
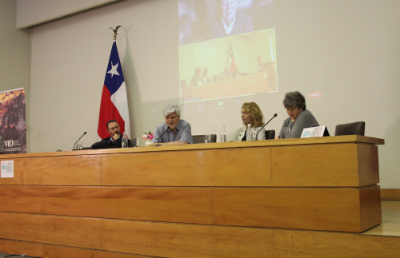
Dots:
pixel 228 28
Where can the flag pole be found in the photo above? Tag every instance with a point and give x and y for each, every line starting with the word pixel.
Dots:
pixel 114 101
pixel 115 31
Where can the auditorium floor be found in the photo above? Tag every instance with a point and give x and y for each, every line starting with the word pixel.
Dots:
pixel 390 220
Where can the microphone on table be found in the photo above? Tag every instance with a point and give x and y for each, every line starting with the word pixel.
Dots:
pixel 74 148
pixel 275 115
pixel 158 143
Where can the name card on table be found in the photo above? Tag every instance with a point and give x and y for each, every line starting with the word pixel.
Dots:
pixel 313 132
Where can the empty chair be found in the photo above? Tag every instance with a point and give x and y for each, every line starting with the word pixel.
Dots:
pixel 201 138
pixel 270 134
pixel 356 128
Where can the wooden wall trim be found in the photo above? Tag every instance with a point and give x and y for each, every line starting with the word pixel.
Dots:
pixel 390 194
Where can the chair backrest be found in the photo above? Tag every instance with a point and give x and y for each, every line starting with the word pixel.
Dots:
pixel 357 128
pixel 270 134
pixel 202 138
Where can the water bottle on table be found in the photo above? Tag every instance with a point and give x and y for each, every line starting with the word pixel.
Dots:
pixel 223 134
pixel 249 136
pixel 125 141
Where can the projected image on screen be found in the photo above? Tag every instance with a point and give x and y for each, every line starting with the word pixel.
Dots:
pixel 209 19
pixel 226 67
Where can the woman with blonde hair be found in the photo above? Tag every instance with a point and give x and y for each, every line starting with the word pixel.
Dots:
pixel 251 114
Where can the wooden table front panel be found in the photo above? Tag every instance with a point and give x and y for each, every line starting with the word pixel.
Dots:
pixel 138 237
pixel 216 200
pixel 61 170
pixel 276 243
pixel 221 167
pixel 332 209
pixel 61 230
pixel 329 165
pixel 173 204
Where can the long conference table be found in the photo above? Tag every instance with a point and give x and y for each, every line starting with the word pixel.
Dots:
pixel 234 199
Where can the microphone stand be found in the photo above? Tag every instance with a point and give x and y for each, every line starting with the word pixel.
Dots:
pixel 275 115
pixel 159 138
pixel 74 148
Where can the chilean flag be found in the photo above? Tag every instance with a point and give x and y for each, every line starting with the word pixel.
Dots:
pixel 231 60
pixel 114 104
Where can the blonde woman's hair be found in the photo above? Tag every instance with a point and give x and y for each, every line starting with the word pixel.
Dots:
pixel 255 112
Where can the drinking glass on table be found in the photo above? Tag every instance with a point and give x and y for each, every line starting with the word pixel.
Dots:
pixel 286 130
pixel 207 138
pixel 79 146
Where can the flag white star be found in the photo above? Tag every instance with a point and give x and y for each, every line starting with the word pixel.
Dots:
pixel 113 70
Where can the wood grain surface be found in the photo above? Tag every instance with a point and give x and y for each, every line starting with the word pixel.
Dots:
pixel 138 237
pixel 368 164
pixel 309 244
pixel 230 167
pixel 174 204
pixel 371 210
pixel 315 165
pixel 298 165
pixel 184 240
pixel 74 170
pixel 53 251
pixel 20 247
pixel 204 200
pixel 26 199
pixel 331 209
pixel 68 231
pixel 390 194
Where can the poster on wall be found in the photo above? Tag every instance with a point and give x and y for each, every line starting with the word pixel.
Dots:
pixel 13 121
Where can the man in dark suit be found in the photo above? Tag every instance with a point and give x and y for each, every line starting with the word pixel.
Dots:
pixel 114 141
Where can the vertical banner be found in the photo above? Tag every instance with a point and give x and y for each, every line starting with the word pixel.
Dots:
pixel 13 121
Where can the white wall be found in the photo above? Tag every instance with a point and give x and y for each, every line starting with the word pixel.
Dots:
pixel 30 13
pixel 14 52
pixel 349 50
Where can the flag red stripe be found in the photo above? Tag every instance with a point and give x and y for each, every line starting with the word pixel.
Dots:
pixel 233 66
pixel 108 111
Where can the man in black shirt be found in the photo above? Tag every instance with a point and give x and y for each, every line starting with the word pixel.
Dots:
pixel 114 141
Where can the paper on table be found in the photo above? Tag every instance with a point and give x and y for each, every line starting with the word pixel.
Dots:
pixel 7 168
pixel 313 132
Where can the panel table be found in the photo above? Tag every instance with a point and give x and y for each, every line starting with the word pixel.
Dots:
pixel 219 199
